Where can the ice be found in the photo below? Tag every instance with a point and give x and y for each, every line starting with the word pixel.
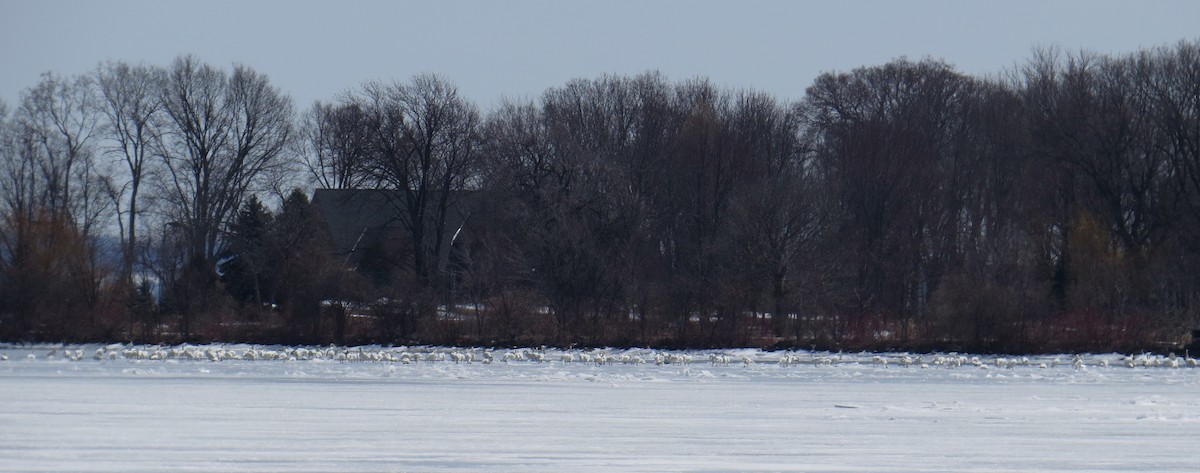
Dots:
pixel 825 412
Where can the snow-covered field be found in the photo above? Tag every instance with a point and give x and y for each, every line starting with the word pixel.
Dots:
pixel 243 408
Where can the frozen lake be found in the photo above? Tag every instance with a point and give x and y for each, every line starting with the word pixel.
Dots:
pixel 817 412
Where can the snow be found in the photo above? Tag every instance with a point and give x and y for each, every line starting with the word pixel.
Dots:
pixel 816 412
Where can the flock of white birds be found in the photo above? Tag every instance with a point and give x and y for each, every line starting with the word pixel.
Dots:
pixel 246 408
pixel 599 357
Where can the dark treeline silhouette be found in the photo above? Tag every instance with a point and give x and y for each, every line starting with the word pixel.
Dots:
pixel 899 206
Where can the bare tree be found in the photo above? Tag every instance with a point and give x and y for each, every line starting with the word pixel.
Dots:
pixel 780 217
pixel 50 200
pixel 1176 97
pixel 337 146
pixel 59 115
pixel 131 101
pixel 887 139
pixel 424 138
pixel 585 164
pixel 707 175
pixel 1176 94
pixel 225 132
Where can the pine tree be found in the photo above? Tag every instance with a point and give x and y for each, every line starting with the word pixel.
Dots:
pixel 245 268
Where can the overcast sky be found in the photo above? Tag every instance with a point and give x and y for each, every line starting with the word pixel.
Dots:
pixel 492 49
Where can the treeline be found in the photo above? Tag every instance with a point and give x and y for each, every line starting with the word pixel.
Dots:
pixel 906 205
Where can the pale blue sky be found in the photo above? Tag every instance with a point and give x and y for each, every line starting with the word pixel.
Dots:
pixel 314 49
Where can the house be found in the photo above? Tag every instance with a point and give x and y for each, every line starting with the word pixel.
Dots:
pixel 370 232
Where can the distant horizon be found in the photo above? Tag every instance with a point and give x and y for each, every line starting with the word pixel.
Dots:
pixel 314 50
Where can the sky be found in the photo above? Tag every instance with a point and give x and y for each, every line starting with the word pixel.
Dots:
pixel 312 50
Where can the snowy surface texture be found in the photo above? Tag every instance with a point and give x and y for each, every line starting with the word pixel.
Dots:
pixel 241 408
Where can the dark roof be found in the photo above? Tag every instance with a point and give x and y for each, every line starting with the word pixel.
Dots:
pixel 366 218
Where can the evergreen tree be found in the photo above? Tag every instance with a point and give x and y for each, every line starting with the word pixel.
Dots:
pixel 245 268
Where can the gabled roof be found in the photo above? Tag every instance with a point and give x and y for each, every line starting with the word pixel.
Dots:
pixel 355 217
pixel 366 218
